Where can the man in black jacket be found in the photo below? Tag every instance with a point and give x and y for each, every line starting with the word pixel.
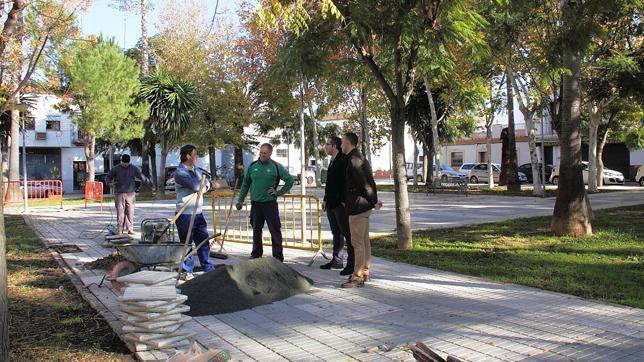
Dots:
pixel 332 204
pixel 360 197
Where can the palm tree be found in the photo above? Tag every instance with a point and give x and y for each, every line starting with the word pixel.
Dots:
pixel 171 103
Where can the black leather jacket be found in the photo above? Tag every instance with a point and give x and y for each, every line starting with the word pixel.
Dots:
pixel 360 192
pixel 334 188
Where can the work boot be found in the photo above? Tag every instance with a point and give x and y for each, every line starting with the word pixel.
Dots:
pixel 354 282
pixel 347 271
pixel 187 276
pixel 331 265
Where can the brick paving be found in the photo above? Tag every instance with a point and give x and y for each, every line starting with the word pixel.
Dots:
pixel 469 318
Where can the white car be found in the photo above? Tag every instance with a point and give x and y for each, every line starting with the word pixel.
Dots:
pixel 479 173
pixel 466 167
pixel 446 173
pixel 611 177
pixel 639 177
pixel 410 171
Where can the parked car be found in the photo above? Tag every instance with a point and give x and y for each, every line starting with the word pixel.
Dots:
pixel 611 177
pixel 466 167
pixel 410 171
pixel 449 174
pixel 480 173
pixel 639 176
pixel 446 173
pixel 526 168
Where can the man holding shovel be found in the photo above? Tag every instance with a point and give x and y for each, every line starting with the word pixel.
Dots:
pixel 187 179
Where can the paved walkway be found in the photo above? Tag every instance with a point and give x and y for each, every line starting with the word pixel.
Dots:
pixel 469 318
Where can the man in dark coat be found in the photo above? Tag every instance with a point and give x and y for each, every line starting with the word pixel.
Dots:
pixel 332 204
pixel 360 197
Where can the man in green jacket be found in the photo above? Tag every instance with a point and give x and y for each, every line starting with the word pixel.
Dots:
pixel 262 178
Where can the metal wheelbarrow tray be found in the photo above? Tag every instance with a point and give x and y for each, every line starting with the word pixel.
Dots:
pixel 152 254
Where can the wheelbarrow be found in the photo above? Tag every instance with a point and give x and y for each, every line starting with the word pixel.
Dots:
pixel 151 256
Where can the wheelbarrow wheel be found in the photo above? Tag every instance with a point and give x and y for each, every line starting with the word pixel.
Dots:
pixel 120 269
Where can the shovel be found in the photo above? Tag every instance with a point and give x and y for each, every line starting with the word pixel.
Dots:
pixel 220 254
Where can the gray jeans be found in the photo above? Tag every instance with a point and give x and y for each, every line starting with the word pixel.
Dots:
pixel 125 211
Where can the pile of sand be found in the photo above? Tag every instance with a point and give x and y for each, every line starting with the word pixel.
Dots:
pixel 231 288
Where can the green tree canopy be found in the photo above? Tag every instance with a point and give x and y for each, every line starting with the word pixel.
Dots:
pixel 104 84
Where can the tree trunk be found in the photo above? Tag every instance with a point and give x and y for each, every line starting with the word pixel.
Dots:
pixel 145 163
pixel 144 38
pixel 5 161
pixel 572 210
pixel 415 163
pixel 90 156
pixel 4 301
pixel 537 188
pixel 164 157
pixel 239 165
pixel 316 153
pixel 154 173
pixel 426 166
pixel 512 176
pixel 111 161
pixel 593 125
pixel 403 217
pixel 11 23
pixel 488 144
pixel 212 158
pixel 13 189
pixel 600 158
pixel 529 112
pixel 14 152
pixel 434 123
pixel 364 125
pixel 429 173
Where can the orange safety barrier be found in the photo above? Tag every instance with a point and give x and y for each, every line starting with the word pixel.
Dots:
pixel 37 190
pixel 294 235
pixel 94 192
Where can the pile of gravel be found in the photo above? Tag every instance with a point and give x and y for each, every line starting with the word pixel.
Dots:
pixel 231 288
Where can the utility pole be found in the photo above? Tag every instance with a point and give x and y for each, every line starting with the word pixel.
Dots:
pixel 543 160
pixel 303 159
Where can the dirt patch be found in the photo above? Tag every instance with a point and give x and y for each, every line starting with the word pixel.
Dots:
pixel 48 319
pixel 104 263
pixel 62 249
pixel 230 288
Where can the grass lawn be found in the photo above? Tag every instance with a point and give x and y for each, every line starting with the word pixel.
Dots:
pixel 551 191
pixel 608 266
pixel 48 318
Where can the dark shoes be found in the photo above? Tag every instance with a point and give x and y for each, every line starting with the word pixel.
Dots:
pixel 346 271
pixel 331 265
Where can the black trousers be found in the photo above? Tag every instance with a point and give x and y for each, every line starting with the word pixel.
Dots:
pixel 339 223
pixel 268 212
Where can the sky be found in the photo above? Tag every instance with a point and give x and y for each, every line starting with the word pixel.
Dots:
pixel 126 27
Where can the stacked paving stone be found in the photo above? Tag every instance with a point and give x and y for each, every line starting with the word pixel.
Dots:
pixel 151 311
